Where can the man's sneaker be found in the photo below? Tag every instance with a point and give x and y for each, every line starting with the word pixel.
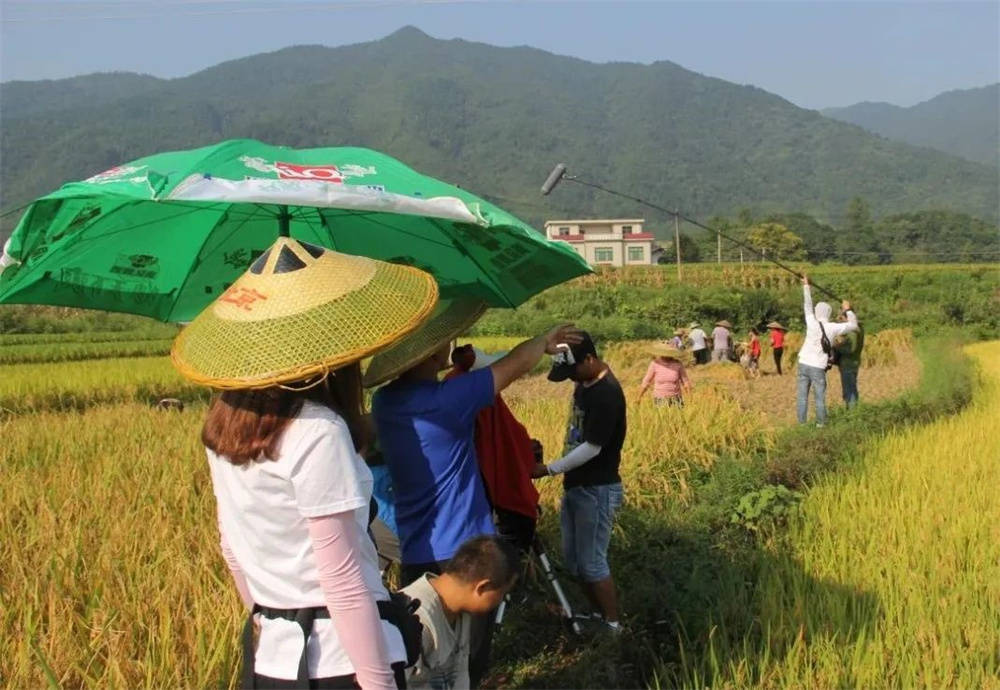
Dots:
pixel 614 627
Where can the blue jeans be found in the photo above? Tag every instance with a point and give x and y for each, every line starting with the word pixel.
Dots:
pixel 849 383
pixel 815 378
pixel 588 513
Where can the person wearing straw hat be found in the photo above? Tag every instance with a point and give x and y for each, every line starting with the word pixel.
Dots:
pixel 677 342
pixel 426 430
pixel 667 376
pixel 777 333
pixel 722 341
pixel 283 346
pixel 699 346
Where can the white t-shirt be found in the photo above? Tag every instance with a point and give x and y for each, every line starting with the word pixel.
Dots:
pixel 697 337
pixel 263 508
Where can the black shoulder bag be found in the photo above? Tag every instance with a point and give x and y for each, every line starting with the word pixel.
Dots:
pixel 832 355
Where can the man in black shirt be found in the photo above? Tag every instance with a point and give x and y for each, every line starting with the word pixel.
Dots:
pixel 592 486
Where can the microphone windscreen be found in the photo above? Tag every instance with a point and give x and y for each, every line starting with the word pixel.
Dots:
pixel 553 179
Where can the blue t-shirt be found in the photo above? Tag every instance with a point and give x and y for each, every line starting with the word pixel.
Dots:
pixel 384 498
pixel 425 430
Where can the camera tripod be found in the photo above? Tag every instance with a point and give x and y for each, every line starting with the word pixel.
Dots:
pixel 536 555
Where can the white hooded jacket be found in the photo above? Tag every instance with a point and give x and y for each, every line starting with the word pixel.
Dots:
pixel 812 353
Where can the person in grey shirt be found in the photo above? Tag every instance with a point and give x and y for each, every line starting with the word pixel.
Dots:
pixel 722 343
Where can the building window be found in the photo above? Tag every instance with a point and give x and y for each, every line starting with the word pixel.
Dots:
pixel 604 255
pixel 636 254
pixel 563 230
pixel 626 229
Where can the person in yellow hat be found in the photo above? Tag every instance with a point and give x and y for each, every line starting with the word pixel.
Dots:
pixel 283 345
pixel 667 376
pixel 426 430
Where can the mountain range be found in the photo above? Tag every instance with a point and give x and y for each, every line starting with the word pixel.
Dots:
pixel 494 120
pixel 964 123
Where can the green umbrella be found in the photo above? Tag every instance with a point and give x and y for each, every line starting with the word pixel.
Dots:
pixel 165 235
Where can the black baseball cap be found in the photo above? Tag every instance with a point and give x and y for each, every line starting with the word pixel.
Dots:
pixel 564 362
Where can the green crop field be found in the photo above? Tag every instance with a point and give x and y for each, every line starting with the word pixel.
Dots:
pixel 750 552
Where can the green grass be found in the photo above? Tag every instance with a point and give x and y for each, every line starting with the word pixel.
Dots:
pixel 890 577
pixel 29 388
pixel 690 580
pixel 76 351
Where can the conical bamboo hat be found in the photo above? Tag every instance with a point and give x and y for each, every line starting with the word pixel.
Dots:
pixel 664 350
pixel 300 311
pixel 451 318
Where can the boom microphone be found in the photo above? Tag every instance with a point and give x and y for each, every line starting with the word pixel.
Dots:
pixel 559 172
pixel 553 179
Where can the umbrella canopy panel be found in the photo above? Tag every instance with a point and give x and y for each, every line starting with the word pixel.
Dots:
pixel 164 236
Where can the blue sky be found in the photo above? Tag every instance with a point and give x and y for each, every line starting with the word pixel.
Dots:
pixel 815 54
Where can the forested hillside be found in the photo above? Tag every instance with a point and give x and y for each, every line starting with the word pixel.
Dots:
pixel 494 120
pixel 964 123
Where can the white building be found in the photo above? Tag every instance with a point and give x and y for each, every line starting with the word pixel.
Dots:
pixel 610 242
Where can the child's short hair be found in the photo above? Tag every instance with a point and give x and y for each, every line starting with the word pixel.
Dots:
pixel 485 558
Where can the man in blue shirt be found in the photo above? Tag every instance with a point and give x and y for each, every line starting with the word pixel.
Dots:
pixel 426 433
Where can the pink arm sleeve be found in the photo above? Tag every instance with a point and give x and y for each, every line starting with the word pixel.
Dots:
pixel 234 567
pixel 336 543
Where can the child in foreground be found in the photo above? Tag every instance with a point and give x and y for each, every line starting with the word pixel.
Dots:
pixel 474 582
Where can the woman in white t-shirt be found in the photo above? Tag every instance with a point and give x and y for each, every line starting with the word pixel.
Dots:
pixel 282 441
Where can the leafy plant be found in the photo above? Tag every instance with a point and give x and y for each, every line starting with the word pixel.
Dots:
pixel 763 509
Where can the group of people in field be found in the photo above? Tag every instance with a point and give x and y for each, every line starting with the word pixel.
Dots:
pixel 315 495
pixel 296 463
pixel 825 344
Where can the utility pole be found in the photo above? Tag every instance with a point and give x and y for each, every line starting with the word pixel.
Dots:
pixel 741 259
pixel 718 247
pixel 677 242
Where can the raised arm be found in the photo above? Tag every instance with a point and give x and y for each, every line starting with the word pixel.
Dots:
pixel 852 318
pixel 807 300
pixel 526 355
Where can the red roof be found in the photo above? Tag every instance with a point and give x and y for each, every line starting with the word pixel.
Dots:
pixel 628 238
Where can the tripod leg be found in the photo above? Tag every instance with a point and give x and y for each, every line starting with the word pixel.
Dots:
pixel 539 550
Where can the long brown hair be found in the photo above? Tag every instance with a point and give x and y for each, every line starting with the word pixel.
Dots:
pixel 246 425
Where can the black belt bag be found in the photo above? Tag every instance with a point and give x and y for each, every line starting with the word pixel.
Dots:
pixel 398 610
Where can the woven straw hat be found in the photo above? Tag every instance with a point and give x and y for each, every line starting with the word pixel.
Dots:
pixel 694 324
pixel 299 311
pixel 451 318
pixel 664 350
pixel 777 326
pixel 679 331
pixel 724 324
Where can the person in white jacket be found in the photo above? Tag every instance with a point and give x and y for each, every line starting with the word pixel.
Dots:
pixel 812 358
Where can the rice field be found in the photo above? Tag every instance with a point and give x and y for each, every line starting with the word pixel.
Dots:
pixel 112 576
pixel 893 573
